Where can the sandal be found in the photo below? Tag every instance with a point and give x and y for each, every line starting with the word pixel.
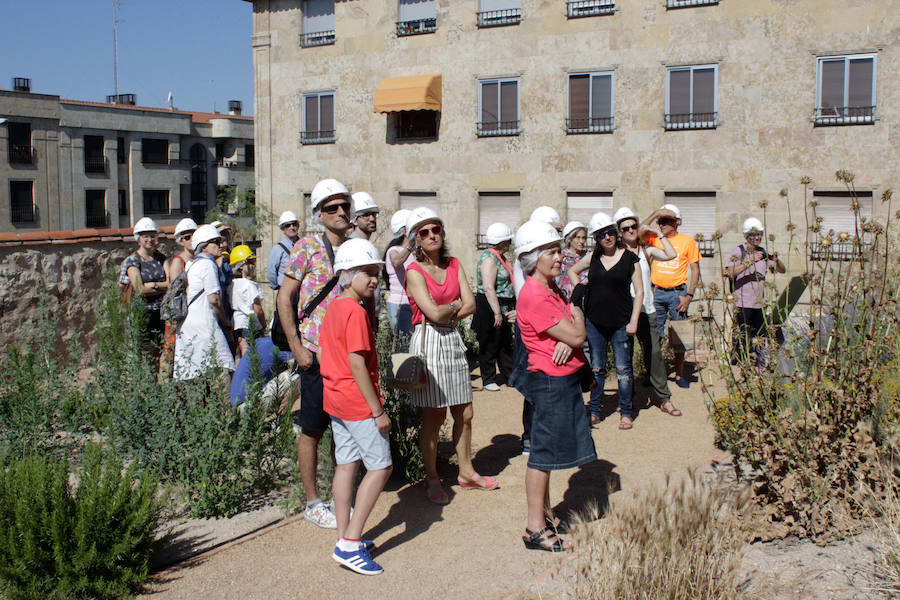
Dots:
pixel 556 525
pixel 626 423
pixel 435 492
pixel 540 540
pixel 596 419
pixel 670 411
pixel 472 483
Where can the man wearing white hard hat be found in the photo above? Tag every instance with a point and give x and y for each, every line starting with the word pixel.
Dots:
pixel 674 281
pixel 280 253
pixel 747 266
pixel 397 258
pixel 309 272
pixel 495 308
pixel 365 215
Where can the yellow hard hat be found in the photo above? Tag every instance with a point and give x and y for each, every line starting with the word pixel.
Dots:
pixel 240 254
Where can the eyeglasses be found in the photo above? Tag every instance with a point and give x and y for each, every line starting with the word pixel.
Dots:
pixel 667 221
pixel 333 208
pixel 294 224
pixel 605 233
pixel 754 234
pixel 424 232
pixel 628 228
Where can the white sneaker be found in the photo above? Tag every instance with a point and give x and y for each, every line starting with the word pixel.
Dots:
pixel 321 515
pixel 492 387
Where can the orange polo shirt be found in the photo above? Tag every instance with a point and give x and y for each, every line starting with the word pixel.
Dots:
pixel 672 273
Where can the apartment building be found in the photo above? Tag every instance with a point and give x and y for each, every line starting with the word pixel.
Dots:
pixel 73 165
pixel 485 109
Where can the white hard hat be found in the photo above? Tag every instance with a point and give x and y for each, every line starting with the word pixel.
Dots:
pixel 496 233
pixel 185 225
pixel 216 224
pixel 363 204
pixel 326 189
pixel 624 213
pixel 599 221
pixel 398 221
pixel 571 227
pixel 417 217
pixel 752 224
pixel 674 209
pixel 545 214
pixel 144 225
pixel 204 235
pixel 535 234
pixel 355 252
pixel 287 217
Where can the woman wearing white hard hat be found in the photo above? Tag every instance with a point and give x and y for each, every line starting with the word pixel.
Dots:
pixel 174 267
pixel 201 344
pixel 612 312
pixel 143 274
pixel 397 259
pixel 439 296
pixel 495 308
pixel 553 332
pixel 280 254
pixel 747 265
pixel 574 242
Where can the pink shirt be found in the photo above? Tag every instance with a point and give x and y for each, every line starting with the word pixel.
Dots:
pixel 441 293
pixel 537 310
pixel 397 276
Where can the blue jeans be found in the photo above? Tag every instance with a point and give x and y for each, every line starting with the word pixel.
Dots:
pixel 271 362
pixel 623 347
pixel 666 303
pixel 400 318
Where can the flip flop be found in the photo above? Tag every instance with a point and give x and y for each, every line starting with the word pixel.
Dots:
pixel 670 411
pixel 472 484
pixel 626 423
pixel 435 492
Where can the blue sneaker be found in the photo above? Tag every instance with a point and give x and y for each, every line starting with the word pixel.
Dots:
pixel 357 560
pixel 367 544
pixel 682 382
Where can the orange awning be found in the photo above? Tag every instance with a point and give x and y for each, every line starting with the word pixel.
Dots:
pixel 418 92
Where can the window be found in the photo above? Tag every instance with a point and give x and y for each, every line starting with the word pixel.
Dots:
pixel 123 203
pixel 416 16
pixel 581 206
pixel 590 103
pixel 249 155
pixel 837 216
pixel 95 208
pixel 845 90
pixel 498 107
pixel 20 150
pixel 94 161
pixel 154 151
pixel 691 97
pixel 220 153
pixel 121 151
pixel 698 216
pixel 589 8
pixel 411 200
pixel 156 202
pixel 497 207
pixel 21 202
pixel 688 3
pixel 318 118
pixel 415 124
pixel 496 13
pixel 318 23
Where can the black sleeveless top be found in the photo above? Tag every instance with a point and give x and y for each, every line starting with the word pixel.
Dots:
pixel 608 300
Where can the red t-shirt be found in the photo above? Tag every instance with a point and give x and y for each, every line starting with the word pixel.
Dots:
pixel 537 310
pixel 346 329
pixel 441 293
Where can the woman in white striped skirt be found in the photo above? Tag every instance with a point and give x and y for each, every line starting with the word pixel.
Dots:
pixel 439 296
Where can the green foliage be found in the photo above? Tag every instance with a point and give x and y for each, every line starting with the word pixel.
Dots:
pixel 94 543
pixel 241 212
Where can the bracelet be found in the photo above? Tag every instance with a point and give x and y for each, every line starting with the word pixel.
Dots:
pixel 379 414
pixel 689 294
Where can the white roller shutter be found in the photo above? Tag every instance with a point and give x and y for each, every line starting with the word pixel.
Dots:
pixel 318 15
pixel 836 213
pixel 411 200
pixel 413 10
pixel 498 207
pixel 486 5
pixel 698 212
pixel 581 206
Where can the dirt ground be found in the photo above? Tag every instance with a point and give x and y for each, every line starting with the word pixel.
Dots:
pixel 471 547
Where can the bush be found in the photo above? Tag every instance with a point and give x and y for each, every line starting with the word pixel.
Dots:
pixel 94 543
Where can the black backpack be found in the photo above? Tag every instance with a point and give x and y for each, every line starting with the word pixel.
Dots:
pixel 174 305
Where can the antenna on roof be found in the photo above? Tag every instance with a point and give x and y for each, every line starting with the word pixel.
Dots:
pixel 171 100
pixel 115 4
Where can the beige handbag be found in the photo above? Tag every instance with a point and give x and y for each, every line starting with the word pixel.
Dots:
pixel 406 371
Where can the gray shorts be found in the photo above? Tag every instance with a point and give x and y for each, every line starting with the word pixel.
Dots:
pixel 360 440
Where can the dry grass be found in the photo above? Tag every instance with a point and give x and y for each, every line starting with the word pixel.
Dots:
pixel 681 541
pixel 886 524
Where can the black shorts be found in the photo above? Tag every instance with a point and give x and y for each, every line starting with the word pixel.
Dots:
pixel 312 417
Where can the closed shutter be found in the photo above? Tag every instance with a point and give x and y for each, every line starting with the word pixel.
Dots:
pixel 311 121
pixel 832 91
pixel 581 206
pixel 704 91
pixel 698 212
pixel 579 99
pixel 679 92
pixel 489 108
pixel 318 15
pixel 601 96
pixel 498 207
pixel 509 104
pixel 485 5
pixel 836 213
pixel 411 200
pixel 860 88
pixel 414 10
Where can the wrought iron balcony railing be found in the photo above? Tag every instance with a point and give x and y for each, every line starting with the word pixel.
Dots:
pixel 496 128
pixel 589 125
pixel 498 18
pixel 416 27
pixel 707 248
pixel 94 164
pixel 22 212
pixel 325 136
pixel 21 155
pixel 845 115
pixel 689 3
pixel 589 8
pixel 691 121
pixel 839 250
pixel 97 220
pixel 317 38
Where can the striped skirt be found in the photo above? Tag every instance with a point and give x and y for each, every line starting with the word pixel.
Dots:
pixel 446 365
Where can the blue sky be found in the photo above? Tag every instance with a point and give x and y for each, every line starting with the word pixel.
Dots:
pixel 198 49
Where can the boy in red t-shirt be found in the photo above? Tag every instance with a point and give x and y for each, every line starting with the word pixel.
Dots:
pixel 349 366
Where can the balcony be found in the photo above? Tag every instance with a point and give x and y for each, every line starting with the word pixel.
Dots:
pixel 707 248
pixel 417 27
pixel 21 155
pixel 95 164
pixel 98 220
pixel 676 122
pixel 230 163
pixel 689 3
pixel 839 250
pixel 22 212
pixel 589 125
pixel 499 18
pixel 589 8
pixel 317 38
pixel 497 128
pixel 325 136
pixel 845 115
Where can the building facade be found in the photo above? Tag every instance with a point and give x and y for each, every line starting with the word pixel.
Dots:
pixel 486 109
pixel 71 165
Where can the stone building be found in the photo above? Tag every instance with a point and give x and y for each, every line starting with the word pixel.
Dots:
pixel 71 165
pixel 486 109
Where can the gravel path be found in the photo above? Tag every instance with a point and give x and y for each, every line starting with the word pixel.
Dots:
pixel 471 547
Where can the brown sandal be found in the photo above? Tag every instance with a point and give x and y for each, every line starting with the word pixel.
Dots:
pixel 626 423
pixel 670 411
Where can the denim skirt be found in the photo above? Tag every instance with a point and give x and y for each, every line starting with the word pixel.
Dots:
pixel 560 433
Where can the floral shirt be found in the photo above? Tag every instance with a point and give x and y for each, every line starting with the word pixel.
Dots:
pixel 151 270
pixel 568 261
pixel 310 265
pixel 503 284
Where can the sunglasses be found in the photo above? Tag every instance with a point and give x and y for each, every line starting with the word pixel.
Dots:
pixel 333 208
pixel 628 228
pixel 604 234
pixel 667 221
pixel 424 232
pixel 295 224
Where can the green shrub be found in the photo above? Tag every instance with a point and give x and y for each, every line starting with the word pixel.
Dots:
pixel 94 543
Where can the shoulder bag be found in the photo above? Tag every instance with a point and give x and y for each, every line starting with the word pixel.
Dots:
pixel 405 370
